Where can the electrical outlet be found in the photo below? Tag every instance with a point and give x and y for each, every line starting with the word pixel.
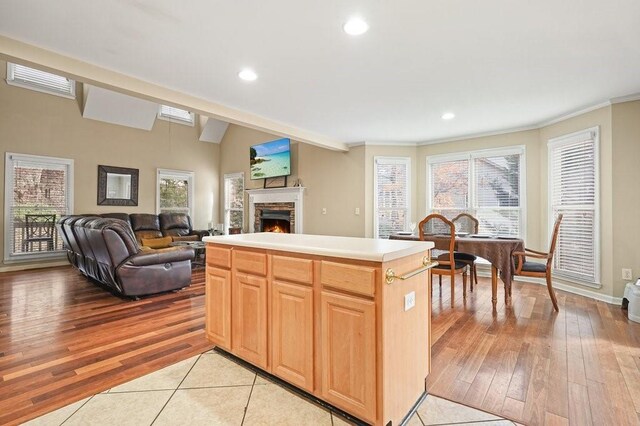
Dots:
pixel 357 211
pixel 324 210
pixel 627 274
pixel 409 300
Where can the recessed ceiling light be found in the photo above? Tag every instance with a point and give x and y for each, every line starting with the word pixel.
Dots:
pixel 248 75
pixel 448 116
pixel 355 27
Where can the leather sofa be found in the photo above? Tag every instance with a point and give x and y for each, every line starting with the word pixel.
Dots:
pixel 106 250
pixel 148 226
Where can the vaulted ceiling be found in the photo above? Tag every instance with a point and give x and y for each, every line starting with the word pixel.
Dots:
pixel 496 64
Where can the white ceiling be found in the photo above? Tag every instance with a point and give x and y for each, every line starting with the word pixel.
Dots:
pixel 497 64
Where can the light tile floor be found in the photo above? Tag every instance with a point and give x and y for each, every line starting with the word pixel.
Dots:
pixel 210 389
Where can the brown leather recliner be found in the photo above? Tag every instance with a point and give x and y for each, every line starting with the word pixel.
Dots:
pixel 106 250
pixel 178 225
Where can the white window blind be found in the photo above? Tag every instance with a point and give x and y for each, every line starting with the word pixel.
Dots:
pixel 42 81
pixel 177 115
pixel 392 194
pixel 38 192
pixel 487 184
pixel 233 200
pixel 573 192
pixel 175 192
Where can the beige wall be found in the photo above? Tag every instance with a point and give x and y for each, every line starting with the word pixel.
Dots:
pixel 42 124
pixel 625 166
pixel 333 180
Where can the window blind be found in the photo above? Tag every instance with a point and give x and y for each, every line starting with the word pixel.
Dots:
pixel 176 114
pixel 392 192
pixel 234 200
pixel 40 80
pixel 573 183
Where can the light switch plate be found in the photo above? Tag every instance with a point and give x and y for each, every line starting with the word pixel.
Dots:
pixel 409 300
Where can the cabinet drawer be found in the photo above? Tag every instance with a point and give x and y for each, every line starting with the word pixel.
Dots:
pixel 250 261
pixel 352 278
pixel 219 256
pixel 293 269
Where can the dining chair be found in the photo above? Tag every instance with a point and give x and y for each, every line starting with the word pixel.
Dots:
pixel 39 228
pixel 537 269
pixel 465 222
pixel 441 231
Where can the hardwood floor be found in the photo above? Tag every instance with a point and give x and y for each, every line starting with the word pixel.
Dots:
pixel 580 366
pixel 63 338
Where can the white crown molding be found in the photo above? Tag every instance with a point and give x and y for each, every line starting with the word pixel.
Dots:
pixel 574 114
pixel 478 135
pixel 628 98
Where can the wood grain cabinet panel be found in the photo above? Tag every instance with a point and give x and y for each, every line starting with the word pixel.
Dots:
pixel 218 306
pixel 249 330
pixel 348 353
pixel 292 269
pixel 352 278
pixel 250 261
pixel 292 333
pixel 218 256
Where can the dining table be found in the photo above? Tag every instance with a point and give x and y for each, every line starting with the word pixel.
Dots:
pixel 498 250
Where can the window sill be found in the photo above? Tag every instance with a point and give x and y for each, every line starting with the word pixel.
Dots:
pixel 26 258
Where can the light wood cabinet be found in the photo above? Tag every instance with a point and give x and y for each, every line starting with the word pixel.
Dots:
pixel 349 353
pixel 249 314
pixel 218 306
pixel 292 333
pixel 330 326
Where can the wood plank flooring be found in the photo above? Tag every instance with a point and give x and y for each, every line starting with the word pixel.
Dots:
pixel 580 366
pixel 62 338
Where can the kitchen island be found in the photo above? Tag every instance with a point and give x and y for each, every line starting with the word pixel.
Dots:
pixel 346 320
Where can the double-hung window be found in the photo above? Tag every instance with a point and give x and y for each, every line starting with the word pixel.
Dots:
pixel 233 200
pixel 488 184
pixel 38 191
pixel 175 192
pixel 392 195
pixel 573 192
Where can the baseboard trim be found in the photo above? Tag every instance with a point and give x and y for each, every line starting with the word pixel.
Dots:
pixel 564 287
pixel 27 266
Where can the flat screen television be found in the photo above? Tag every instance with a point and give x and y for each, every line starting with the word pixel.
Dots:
pixel 270 159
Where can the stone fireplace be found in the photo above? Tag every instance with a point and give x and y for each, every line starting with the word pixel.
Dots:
pixel 276 210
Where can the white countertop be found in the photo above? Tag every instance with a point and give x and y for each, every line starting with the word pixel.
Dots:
pixel 372 249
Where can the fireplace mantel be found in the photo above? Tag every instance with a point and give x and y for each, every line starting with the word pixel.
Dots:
pixel 277 195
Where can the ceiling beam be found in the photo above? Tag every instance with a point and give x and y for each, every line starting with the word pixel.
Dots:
pixel 26 54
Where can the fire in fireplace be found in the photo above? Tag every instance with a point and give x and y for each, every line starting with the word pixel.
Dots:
pixel 275 221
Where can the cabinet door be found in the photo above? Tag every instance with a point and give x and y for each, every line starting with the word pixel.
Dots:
pixel 349 353
pixel 292 333
pixel 218 306
pixel 250 318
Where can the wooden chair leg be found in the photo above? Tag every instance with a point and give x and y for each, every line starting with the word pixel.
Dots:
pixel 464 284
pixel 440 282
pixel 551 292
pixel 472 267
pixel 453 289
pixel 475 272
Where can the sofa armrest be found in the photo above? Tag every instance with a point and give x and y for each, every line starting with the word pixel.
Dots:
pixel 155 257
pixel 200 233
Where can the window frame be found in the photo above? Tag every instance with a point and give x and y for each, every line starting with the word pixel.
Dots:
pixel 471 156
pixel 563 140
pixel 227 209
pixel 390 160
pixel 10 157
pixel 179 174
pixel 176 119
pixel 37 87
